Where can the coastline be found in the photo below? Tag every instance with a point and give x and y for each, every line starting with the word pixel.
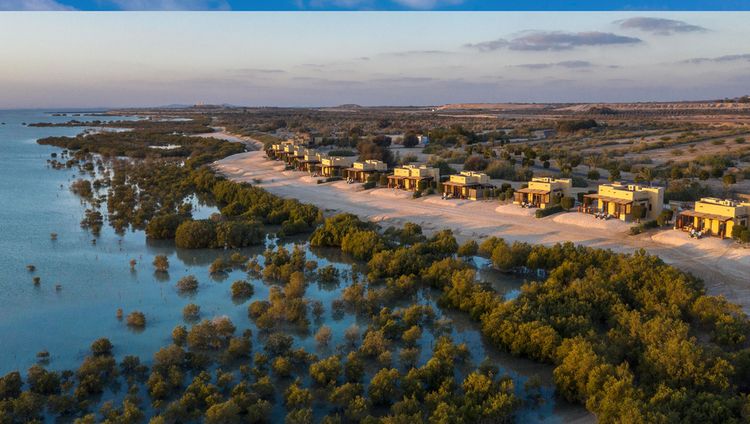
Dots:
pixel 721 264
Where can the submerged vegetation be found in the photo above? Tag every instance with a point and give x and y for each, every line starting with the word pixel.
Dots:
pixel 629 337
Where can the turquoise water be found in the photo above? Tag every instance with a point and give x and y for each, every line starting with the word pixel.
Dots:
pixel 96 279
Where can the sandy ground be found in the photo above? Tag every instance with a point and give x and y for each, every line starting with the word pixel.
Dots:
pixel 723 265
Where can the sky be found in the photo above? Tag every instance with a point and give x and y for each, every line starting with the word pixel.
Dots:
pixel 99 59
pixel 312 5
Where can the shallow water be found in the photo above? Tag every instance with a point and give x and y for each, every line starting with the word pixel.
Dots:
pixel 96 279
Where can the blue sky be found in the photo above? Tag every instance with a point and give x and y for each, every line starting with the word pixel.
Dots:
pixel 376 58
pixel 392 5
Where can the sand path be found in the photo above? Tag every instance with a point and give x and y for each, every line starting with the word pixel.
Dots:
pixel 723 265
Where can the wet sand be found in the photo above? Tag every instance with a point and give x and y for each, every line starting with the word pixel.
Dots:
pixel 722 264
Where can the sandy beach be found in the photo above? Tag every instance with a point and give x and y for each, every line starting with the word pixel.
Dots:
pixel 722 264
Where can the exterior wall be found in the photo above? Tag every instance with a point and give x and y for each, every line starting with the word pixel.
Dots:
pixel 424 171
pixel 736 211
pixel 337 161
pixel 651 197
pixel 561 185
pixel 470 177
pixel 371 165
pixel 401 172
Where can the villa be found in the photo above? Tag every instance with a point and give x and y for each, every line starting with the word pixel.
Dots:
pixel 277 150
pixel 333 166
pixel 294 153
pixel 413 177
pixel 716 217
pixel 625 202
pixel 543 192
pixel 310 161
pixel 468 185
pixel 362 170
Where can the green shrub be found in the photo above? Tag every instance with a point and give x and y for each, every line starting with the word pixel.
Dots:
pixel 567 202
pixel 235 234
pixel 541 213
pixel 163 227
pixel 195 234
pixel 369 185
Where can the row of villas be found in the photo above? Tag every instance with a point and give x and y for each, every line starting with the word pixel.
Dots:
pixel 630 202
pixel 465 185
pixel 617 200
pixel 626 202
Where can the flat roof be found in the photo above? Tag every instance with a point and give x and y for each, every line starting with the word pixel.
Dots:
pixel 409 177
pixel 362 170
pixel 705 215
pixel 608 199
pixel 532 191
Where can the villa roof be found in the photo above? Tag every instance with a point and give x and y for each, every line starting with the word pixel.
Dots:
pixel 410 177
pixel 705 215
pixel 362 170
pixel 608 199
pixel 454 183
pixel 532 191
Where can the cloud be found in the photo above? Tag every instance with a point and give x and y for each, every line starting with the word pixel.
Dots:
pixel 659 26
pixel 427 4
pixel 409 53
pixel 258 71
pixel 570 64
pixel 720 59
pixel 403 80
pixel 555 41
pixel 170 4
pixel 32 5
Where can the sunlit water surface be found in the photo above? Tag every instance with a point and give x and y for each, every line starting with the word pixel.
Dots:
pixel 96 279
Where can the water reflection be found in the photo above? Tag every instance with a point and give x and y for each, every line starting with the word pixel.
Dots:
pixel 97 281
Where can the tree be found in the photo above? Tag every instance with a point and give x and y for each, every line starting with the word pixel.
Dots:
pixel 410 139
pixel 163 227
pixel 567 202
pixel 362 244
pixel 136 319
pixel 191 312
pixel 101 347
pixel 323 336
pixel 226 412
pixel 161 263
pixel 326 371
pixel 187 284
pixel 10 385
pixel 469 248
pixel 475 163
pixel 195 234
pixel 645 174
pixel 241 290
pixel 384 386
pixel 369 150
pixel 728 180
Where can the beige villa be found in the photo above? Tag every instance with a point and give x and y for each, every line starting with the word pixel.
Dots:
pixel 360 171
pixel 716 217
pixel 620 201
pixel 333 166
pixel 543 192
pixel 413 177
pixel 468 185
